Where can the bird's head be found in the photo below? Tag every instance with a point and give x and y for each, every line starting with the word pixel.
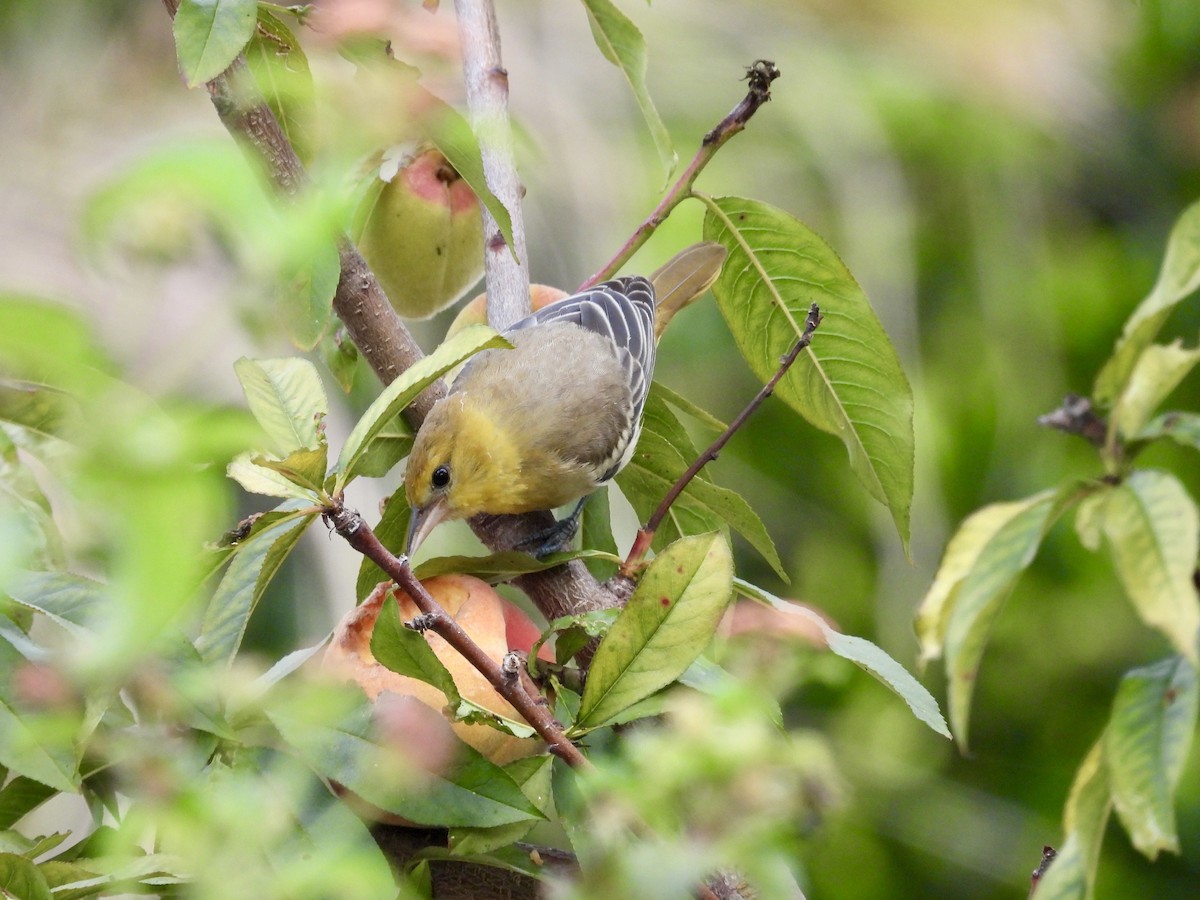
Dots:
pixel 462 463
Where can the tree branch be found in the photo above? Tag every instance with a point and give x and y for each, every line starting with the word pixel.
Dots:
pixel 486 81
pixel 505 679
pixel 646 535
pixel 760 74
pixel 386 344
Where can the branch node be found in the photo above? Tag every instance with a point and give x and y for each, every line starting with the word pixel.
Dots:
pixel 422 623
pixel 1076 415
pixel 510 666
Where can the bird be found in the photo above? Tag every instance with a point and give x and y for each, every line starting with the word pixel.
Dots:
pixel 555 417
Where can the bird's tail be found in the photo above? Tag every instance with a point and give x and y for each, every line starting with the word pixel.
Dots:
pixel 683 278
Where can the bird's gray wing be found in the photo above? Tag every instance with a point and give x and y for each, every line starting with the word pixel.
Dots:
pixel 621 310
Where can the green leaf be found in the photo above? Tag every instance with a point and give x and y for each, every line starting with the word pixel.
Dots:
pixel 476 793
pixel 20 797
pixel 623 46
pixel 849 382
pixel 69 361
pixel 306 299
pixel 664 452
pixel 70 601
pixel 253 567
pixel 595 533
pixel 1146 744
pixel 686 406
pixel 39 408
pixel 266 480
pixel 391 531
pixel 1153 531
pixel 1073 872
pixel 20 878
pixel 982 563
pixel 209 34
pixel 532 775
pixel 1157 372
pixel 287 398
pixel 341 356
pixel 391 444
pixel 865 655
pixel 666 624
pixel 407 652
pixel 1181 427
pixel 452 135
pixel 27 752
pixel 1178 277
pixel 281 71
pixel 405 389
pixel 500 567
pixel 304 468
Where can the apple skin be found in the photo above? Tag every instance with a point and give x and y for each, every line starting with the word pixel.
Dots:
pixel 495 624
pixel 421 233
pixel 475 312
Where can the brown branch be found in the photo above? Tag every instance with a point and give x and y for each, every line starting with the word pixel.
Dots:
pixel 504 678
pixel 760 75
pixel 646 535
pixel 486 82
pixel 386 344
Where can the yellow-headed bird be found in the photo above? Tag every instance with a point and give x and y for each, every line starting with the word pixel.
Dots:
pixel 558 415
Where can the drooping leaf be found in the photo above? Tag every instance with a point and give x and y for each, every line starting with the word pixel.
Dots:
pixel 686 406
pixel 1146 745
pixel 982 562
pixel 391 444
pixel 70 601
pixel 1178 277
pixel 252 568
pixel 209 34
pixel 287 398
pixel 341 356
pixel 1155 374
pixel 407 652
pixel 306 298
pixel 1073 872
pixel 452 135
pixel 666 624
pixel 477 793
pixel 623 45
pixel 865 655
pixel 849 382
pixel 281 71
pixel 405 389
pixel 1153 530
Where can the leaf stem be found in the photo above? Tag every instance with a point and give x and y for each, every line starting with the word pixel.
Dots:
pixel 358 534
pixel 646 535
pixel 760 74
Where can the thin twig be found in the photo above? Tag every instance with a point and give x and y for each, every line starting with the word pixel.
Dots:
pixel 760 75
pixel 646 535
pixel 1076 415
pixel 486 82
pixel 358 534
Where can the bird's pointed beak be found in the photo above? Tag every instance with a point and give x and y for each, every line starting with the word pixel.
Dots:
pixel 422 521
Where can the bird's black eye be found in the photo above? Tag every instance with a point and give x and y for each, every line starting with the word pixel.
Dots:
pixel 440 477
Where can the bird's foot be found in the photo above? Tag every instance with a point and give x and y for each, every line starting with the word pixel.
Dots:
pixel 550 540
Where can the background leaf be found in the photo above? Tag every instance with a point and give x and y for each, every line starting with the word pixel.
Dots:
pixel 623 46
pixel 1153 531
pixel 849 381
pixel 1157 372
pixel 1146 745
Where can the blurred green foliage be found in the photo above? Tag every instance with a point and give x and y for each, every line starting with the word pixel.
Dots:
pixel 1001 178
